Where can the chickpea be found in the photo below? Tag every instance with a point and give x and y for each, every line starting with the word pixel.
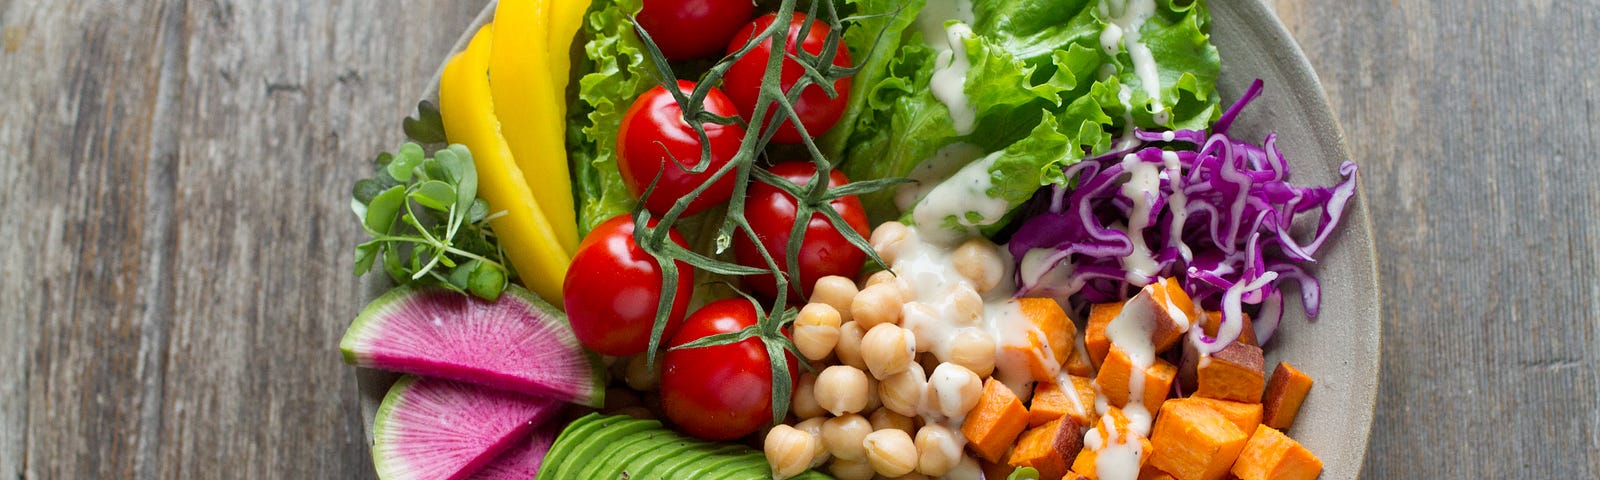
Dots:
pixel 789 451
pixel 922 320
pixel 967 469
pixel 902 392
pixel 913 476
pixel 888 238
pixel 938 450
pixel 851 470
pixel 843 435
pixel 837 292
pixel 640 376
pixel 816 331
pixel 841 389
pixel 878 303
pixel 973 348
pixel 884 418
pixel 955 388
pixel 979 261
pixel 891 452
pixel 813 426
pixel 804 401
pixel 849 347
pixel 888 349
pixel 965 305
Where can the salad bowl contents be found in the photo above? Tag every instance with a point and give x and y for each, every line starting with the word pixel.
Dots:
pixel 1048 239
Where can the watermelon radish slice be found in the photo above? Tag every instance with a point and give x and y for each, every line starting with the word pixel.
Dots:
pixel 522 461
pixel 428 428
pixel 518 343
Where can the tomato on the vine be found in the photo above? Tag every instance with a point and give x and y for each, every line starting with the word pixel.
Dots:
pixel 824 251
pixel 612 288
pixel 816 111
pixel 725 391
pixel 655 139
pixel 691 29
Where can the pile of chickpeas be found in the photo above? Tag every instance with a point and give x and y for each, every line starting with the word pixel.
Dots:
pixel 881 401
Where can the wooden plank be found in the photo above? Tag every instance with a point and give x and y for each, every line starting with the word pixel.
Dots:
pixel 176 279
pixel 1475 124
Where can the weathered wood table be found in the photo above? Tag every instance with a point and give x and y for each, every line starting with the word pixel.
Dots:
pixel 174 256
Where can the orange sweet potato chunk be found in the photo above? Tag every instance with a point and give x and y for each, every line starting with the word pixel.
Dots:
pixel 1244 415
pixel 1094 334
pixel 1069 396
pixel 1234 373
pixel 1079 363
pixel 1150 472
pixel 1193 442
pixel 1049 448
pixel 1071 475
pixel 1042 364
pixel 1117 371
pixel 1173 312
pixel 1058 329
pixel 1271 455
pixel 995 422
pixel 1213 320
pixel 1113 428
pixel 1286 390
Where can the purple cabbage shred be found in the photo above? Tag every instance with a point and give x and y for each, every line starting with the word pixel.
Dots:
pixel 1233 248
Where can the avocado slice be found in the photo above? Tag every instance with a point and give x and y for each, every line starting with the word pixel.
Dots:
pixel 669 446
pixel 648 446
pixel 717 463
pixel 675 468
pixel 611 454
pixel 749 466
pixel 569 439
pixel 612 430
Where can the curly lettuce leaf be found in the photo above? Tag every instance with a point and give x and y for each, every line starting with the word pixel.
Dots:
pixel 905 124
pixel 872 41
pixel 618 72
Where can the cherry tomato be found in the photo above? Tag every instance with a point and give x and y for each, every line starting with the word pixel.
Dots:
pixel 654 138
pixel 816 111
pixel 721 392
pixel 691 29
pixel 612 288
pixel 823 252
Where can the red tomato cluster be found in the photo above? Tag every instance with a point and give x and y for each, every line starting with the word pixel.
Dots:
pixel 613 286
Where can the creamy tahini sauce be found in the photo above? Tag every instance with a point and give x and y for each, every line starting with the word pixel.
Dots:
pixel 1125 17
pixel 933 171
pixel 949 82
pixel 964 196
pixel 1143 185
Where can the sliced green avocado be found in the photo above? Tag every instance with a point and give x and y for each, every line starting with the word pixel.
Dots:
pixel 611 454
pixel 569 439
pixel 649 444
pixel 749 466
pixel 612 430
pixel 707 469
pixel 675 468
pixel 671 446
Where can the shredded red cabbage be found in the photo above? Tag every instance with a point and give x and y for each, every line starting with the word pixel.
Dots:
pixel 1228 242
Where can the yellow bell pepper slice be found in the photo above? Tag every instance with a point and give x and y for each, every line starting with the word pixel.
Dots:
pixel 525 232
pixel 530 109
pixel 566 18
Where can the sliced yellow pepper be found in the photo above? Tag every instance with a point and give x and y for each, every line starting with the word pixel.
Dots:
pixel 566 18
pixel 531 110
pixel 530 241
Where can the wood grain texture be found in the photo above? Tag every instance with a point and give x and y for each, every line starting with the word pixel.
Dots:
pixel 173 287
pixel 172 281
pixel 1476 128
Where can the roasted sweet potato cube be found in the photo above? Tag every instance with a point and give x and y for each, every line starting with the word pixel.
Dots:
pixel 1244 415
pixel 1114 434
pixel 1271 455
pixel 1286 390
pixel 1150 472
pixel 1036 354
pixel 1094 333
pixel 1058 329
pixel 1213 320
pixel 1070 396
pixel 1233 373
pixel 1176 315
pixel 1049 448
pixel 1193 442
pixel 1079 364
pixel 1071 475
pixel 1119 369
pixel 995 422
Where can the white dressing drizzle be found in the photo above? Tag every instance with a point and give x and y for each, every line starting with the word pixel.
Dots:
pixel 1125 19
pixel 1143 183
pixel 1178 202
pixel 964 196
pixel 934 170
pixel 949 80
